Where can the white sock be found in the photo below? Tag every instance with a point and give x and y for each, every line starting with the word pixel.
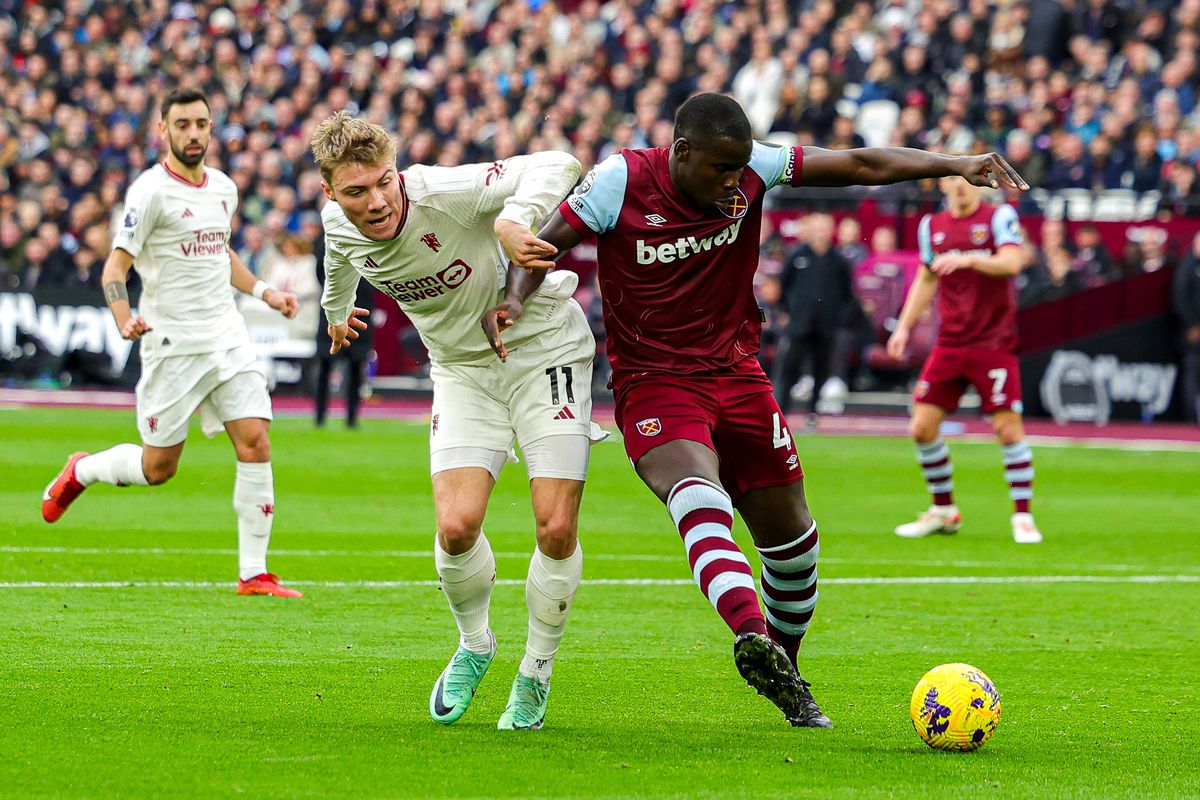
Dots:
pixel 120 466
pixel 254 502
pixel 467 580
pixel 549 590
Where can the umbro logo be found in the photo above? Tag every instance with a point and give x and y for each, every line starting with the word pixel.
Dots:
pixel 564 414
pixel 657 220
pixel 187 212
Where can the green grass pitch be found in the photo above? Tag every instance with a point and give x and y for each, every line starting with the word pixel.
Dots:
pixel 188 690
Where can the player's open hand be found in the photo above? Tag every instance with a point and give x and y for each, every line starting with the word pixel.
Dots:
pixel 342 335
pixel 897 343
pixel 523 248
pixel 283 302
pixel 134 327
pixel 990 169
pixel 498 319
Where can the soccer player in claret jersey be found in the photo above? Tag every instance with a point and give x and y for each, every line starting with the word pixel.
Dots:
pixel 678 231
pixel 970 254
pixel 435 239
pixel 195 349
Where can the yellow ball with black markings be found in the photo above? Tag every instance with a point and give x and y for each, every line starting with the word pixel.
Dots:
pixel 955 707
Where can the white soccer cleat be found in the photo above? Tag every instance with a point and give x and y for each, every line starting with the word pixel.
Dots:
pixel 1024 529
pixel 937 519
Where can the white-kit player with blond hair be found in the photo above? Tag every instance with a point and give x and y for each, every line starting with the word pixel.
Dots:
pixel 439 240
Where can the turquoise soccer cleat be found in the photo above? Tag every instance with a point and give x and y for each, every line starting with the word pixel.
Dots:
pixel 455 687
pixel 526 708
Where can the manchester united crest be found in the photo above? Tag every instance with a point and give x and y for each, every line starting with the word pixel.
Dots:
pixel 650 427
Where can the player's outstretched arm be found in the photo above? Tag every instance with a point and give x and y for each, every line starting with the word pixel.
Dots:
pixel 873 166
pixel 522 282
pixel 116 294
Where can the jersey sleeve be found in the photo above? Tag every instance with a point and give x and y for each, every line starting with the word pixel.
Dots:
pixel 341 285
pixel 596 204
pixel 522 189
pixel 924 241
pixel 777 165
pixel 139 218
pixel 1006 227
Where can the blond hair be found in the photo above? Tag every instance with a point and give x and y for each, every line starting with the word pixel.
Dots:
pixel 342 139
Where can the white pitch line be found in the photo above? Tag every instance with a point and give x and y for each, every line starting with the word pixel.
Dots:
pixel 425 554
pixel 908 580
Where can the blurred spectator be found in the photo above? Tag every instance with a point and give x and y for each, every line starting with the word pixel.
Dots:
pixel 1185 299
pixel 1180 190
pixel 816 295
pixel 295 270
pixel 1091 260
pixel 1057 281
pixel 850 241
pixel 1070 168
pixel 1146 168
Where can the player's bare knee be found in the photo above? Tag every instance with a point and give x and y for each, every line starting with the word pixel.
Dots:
pixel 556 535
pixel 158 473
pixel 458 533
pixel 255 448
pixel 922 431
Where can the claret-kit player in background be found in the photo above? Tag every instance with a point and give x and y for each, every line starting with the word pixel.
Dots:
pixel 438 240
pixel 195 349
pixel 678 232
pixel 970 254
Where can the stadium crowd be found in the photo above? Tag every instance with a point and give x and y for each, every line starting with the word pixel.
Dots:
pixel 1092 96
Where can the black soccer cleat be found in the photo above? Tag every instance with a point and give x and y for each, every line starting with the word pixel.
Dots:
pixel 768 670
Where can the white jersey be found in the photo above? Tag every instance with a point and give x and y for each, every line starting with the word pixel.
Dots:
pixel 445 267
pixel 178 234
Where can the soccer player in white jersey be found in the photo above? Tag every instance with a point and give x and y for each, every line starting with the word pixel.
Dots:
pixel 438 240
pixel 195 349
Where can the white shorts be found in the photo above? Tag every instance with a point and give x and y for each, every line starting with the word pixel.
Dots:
pixel 225 386
pixel 543 390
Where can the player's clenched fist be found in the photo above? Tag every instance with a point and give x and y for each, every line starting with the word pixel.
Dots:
pixel 134 327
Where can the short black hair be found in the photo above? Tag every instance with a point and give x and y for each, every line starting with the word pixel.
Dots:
pixel 707 117
pixel 182 96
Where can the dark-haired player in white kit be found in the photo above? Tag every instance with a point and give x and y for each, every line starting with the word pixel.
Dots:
pixel 195 349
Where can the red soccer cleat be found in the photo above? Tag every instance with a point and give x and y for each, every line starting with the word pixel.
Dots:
pixel 62 491
pixel 266 583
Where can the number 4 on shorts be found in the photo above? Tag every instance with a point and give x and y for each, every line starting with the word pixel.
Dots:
pixel 781 437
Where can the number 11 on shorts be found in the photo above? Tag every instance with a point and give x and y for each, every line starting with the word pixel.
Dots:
pixel 781 437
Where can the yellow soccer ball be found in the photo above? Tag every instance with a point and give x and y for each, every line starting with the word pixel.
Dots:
pixel 955 707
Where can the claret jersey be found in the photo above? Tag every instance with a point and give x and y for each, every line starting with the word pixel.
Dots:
pixel 676 280
pixel 975 310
